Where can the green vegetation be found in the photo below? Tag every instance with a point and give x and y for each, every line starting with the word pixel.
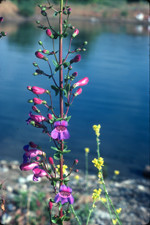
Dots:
pixel 27 7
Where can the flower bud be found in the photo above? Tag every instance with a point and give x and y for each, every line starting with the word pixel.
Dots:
pixel 38 158
pixel 75 74
pixel 50 205
pixel 30 101
pixel 37 101
pixel 77 58
pixel 69 10
pixel 85 43
pixel 51 161
pixel 78 92
pixel 39 55
pixel 35 109
pixel 84 49
pixel 50 117
pixel 43 13
pixel 82 82
pixel 76 161
pixel 49 33
pixel 70 67
pixel 35 64
pixel 76 170
pixel 29 88
pixel 40 42
pixel 38 22
pixel 32 123
pixel 46 51
pixel 1 19
pixel 75 33
pixel 32 144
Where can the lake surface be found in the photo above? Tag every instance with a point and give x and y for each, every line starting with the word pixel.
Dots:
pixel 117 96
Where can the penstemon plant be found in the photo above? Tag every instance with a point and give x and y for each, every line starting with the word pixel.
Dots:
pixel 55 124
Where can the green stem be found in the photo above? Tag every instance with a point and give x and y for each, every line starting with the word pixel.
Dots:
pixel 86 169
pixel 90 212
pixel 105 190
pixel 75 215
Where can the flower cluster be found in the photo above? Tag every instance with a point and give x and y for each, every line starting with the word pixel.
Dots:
pixel 96 194
pixel 96 128
pixel 98 163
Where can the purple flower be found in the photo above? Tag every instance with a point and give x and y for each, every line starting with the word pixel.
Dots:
pixel 39 173
pixel 33 153
pixel 64 195
pixel 60 132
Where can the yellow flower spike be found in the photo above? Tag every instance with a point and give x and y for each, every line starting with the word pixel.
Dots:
pixel 114 221
pixel 96 194
pixel 77 177
pixel 96 128
pixel 119 210
pixel 116 172
pixel 87 150
pixel 98 163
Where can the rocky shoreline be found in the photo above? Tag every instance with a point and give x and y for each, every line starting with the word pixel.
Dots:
pixel 132 195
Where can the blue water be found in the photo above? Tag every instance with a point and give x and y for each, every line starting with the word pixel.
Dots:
pixel 117 96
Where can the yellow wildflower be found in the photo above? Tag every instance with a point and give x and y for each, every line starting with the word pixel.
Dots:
pixel 103 200
pixel 96 128
pixel 119 210
pixel 116 172
pixel 100 175
pixel 87 150
pixel 77 177
pixel 64 169
pixel 96 194
pixel 98 163
pixel 93 206
pixel 114 221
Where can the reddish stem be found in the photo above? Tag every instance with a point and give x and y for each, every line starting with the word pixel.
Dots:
pixel 61 92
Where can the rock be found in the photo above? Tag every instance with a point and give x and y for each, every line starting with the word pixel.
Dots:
pixel 9 189
pixel 22 180
pixel 6 218
pixel 146 171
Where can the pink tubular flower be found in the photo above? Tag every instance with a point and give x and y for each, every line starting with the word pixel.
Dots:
pixel 37 90
pixel 51 161
pixel 50 117
pixel 75 33
pixel 33 153
pixel 76 161
pixel 82 82
pixel 28 166
pixel 38 101
pixel 60 132
pixel 39 173
pixel 78 92
pixel 77 58
pixel 49 33
pixel 36 118
pixel 39 55
pixel 64 195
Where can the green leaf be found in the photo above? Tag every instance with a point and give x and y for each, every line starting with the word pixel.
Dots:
pixel 55 89
pixel 68 118
pixel 57 156
pixel 66 151
pixel 54 148
pixel 55 63
pixel 60 206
